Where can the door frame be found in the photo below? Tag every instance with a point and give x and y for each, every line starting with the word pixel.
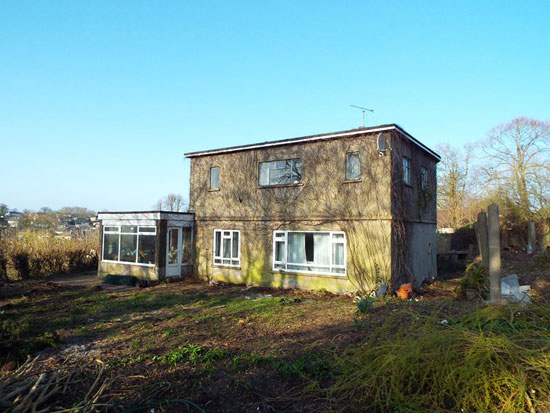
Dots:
pixel 173 270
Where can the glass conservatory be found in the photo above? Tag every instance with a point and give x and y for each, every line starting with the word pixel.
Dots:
pixel 151 245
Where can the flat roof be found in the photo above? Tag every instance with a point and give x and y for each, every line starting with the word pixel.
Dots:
pixel 154 211
pixel 313 138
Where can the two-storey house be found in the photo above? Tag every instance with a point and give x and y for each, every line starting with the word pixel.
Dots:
pixel 340 211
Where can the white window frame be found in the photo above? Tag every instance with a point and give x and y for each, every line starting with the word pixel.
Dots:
pixel 282 236
pixel 406 170
pixel 120 233
pixel 293 162
pixel 221 257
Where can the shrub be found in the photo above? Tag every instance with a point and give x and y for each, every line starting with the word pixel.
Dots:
pixel 475 280
pixel 33 255
pixel 20 261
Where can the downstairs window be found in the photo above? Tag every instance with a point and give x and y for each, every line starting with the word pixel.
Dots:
pixel 315 252
pixel 227 246
pixel 130 244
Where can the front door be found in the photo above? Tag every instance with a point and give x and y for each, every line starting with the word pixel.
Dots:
pixel 173 252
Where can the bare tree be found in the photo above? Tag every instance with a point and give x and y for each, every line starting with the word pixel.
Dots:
pixel 453 180
pixel 172 203
pixel 516 166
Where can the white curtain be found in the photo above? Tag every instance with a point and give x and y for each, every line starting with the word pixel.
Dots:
pixel 321 249
pixel 297 247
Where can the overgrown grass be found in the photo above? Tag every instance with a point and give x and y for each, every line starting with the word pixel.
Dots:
pixel 34 255
pixel 496 359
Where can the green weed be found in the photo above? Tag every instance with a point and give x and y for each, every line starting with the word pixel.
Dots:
pixel 190 353
pixel 476 279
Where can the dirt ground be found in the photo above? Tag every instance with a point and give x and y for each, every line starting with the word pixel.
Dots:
pixel 224 348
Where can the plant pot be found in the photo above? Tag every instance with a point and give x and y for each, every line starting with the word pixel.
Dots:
pixel 405 291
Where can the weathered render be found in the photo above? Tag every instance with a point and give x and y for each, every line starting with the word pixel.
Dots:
pixel 389 226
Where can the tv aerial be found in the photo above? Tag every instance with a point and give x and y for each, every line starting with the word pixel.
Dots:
pixel 363 110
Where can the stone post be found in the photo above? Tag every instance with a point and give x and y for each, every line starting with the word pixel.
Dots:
pixel 482 238
pixel 494 254
pixel 531 238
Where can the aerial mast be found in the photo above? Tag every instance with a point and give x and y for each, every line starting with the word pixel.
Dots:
pixel 363 110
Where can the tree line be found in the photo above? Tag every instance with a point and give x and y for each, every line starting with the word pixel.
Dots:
pixel 510 167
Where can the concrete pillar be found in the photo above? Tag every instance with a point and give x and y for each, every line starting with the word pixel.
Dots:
pixel 531 238
pixel 482 238
pixel 494 254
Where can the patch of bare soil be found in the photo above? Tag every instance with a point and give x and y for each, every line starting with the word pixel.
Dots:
pixel 224 347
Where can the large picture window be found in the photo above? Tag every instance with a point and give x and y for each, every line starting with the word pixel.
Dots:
pixel 310 251
pixel 285 172
pixel 227 246
pixel 130 244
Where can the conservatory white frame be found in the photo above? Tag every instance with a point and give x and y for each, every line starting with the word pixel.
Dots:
pixel 120 233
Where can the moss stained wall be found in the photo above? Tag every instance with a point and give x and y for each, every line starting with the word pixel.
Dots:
pixel 370 211
pixel 139 271
pixel 256 255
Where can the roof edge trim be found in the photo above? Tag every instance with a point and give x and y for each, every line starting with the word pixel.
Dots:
pixel 313 138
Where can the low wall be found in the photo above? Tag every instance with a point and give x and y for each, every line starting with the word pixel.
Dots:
pixel 139 271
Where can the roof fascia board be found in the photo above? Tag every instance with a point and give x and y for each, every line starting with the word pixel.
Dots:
pixel 310 139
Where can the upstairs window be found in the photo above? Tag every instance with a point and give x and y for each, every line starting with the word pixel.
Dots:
pixel 227 247
pixel 407 171
pixel 285 172
pixel 215 178
pixel 353 166
pixel 423 178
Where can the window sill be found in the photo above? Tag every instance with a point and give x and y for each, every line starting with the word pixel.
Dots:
pixel 310 274
pixel 280 186
pixel 233 267
pixel 213 190
pixel 352 181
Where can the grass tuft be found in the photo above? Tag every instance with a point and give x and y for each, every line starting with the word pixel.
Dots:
pixel 495 359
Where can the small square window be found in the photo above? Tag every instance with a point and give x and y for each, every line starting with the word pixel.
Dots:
pixel 214 177
pixel 407 171
pixel 353 166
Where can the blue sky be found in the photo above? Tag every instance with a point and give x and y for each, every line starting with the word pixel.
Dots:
pixel 100 99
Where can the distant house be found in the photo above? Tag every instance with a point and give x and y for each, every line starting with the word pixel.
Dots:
pixel 340 211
